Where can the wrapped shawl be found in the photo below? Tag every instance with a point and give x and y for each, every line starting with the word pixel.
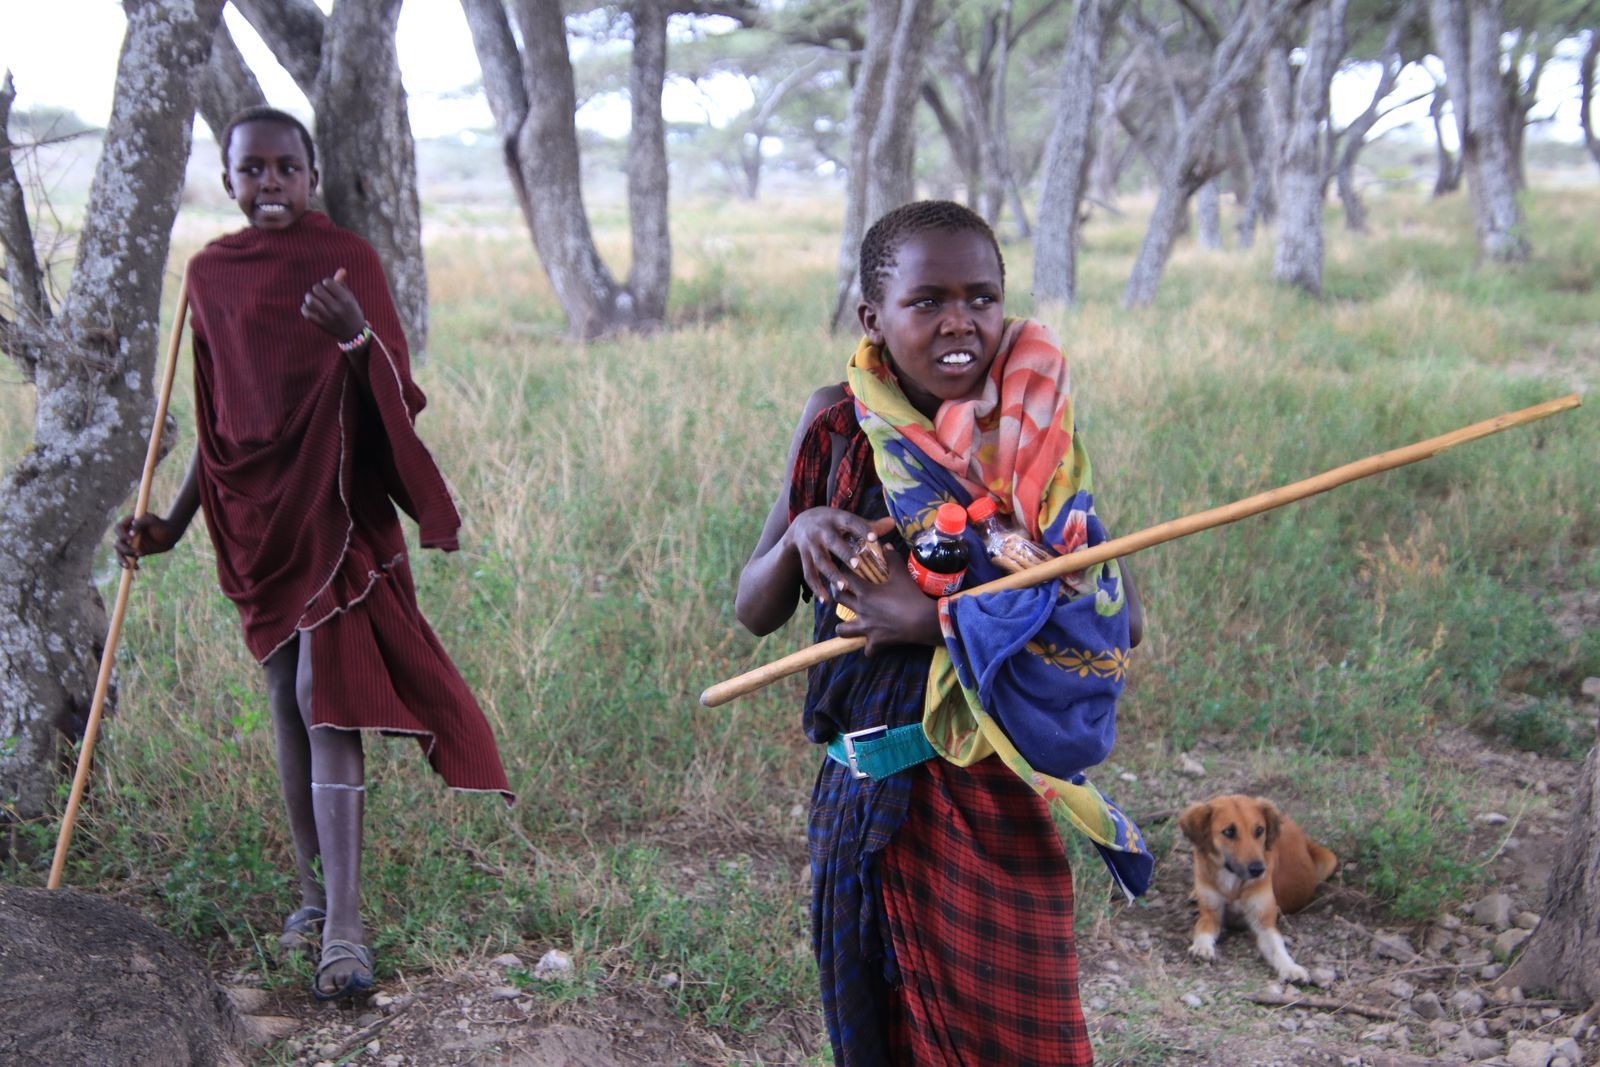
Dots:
pixel 280 425
pixel 1031 674
pixel 300 450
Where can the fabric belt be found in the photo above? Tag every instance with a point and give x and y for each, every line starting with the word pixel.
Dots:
pixel 877 752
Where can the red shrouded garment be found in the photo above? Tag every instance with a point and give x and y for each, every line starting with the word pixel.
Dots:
pixel 299 458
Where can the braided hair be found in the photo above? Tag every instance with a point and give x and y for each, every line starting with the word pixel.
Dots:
pixel 881 246
pixel 262 113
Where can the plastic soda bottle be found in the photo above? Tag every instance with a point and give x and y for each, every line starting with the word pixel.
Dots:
pixel 1009 548
pixel 939 556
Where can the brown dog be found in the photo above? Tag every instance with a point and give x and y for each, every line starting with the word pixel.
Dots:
pixel 1253 860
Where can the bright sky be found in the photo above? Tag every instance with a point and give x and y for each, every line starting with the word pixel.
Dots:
pixel 64 53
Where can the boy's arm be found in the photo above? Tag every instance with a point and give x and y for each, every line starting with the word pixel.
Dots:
pixel 787 555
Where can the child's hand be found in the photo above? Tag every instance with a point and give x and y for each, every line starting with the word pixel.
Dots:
pixel 150 535
pixel 821 538
pixel 331 305
pixel 894 613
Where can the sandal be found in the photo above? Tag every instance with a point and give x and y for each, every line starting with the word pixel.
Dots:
pixel 337 950
pixel 302 929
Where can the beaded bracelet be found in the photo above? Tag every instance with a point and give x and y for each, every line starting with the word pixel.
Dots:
pixel 358 341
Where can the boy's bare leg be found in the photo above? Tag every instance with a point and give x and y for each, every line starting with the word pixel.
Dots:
pixel 338 774
pixel 294 769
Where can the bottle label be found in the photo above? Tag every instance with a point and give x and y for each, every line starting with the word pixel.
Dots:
pixel 932 582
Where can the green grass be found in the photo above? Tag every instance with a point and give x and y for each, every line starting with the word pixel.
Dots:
pixel 613 490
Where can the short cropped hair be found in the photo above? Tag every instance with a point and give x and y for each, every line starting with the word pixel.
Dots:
pixel 881 245
pixel 262 113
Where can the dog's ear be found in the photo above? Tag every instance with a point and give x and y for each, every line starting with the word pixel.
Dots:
pixel 1195 822
pixel 1274 820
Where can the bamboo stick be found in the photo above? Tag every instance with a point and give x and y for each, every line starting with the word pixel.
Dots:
pixel 764 675
pixel 80 777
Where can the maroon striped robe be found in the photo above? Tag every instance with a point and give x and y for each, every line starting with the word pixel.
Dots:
pixel 300 455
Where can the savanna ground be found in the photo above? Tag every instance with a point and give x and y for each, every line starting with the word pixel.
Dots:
pixel 1398 664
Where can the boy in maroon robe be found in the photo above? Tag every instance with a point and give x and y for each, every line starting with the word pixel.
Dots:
pixel 304 412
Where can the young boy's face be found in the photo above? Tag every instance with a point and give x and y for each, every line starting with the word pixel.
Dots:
pixel 268 174
pixel 941 316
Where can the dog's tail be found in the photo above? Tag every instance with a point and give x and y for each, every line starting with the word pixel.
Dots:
pixel 1322 860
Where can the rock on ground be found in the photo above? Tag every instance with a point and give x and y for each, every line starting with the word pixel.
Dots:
pixel 89 982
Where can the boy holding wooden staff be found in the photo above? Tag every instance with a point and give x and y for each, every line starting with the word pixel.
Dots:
pixel 941 896
pixel 305 412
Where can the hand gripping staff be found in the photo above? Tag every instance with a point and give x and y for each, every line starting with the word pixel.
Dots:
pixel 750 681
pixel 80 777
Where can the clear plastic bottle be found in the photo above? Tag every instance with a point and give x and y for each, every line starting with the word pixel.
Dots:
pixel 939 556
pixel 1008 547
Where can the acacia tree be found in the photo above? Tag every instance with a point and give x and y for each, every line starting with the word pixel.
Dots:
pixel 1586 66
pixel 1391 61
pixel 1297 259
pixel 1234 63
pixel 90 358
pixel 882 146
pixel 1466 36
pixel 345 62
pixel 1067 154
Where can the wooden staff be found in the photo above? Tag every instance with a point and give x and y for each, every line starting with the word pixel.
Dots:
pixel 80 777
pixel 750 681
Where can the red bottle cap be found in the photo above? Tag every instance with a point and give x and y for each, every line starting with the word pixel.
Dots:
pixel 981 508
pixel 950 519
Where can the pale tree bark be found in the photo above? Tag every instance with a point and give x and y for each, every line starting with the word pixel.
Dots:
pixel 534 100
pixel 651 273
pixel 882 145
pixel 1563 955
pixel 1391 62
pixel 1235 62
pixel 92 364
pixel 1260 203
pixel 1297 258
pixel 1068 153
pixel 1466 35
pixel 1208 215
pixel 346 65
pixel 1591 138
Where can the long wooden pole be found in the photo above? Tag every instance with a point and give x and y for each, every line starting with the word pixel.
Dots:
pixel 764 675
pixel 80 777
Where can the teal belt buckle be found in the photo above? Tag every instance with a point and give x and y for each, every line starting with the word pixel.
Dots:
pixel 878 752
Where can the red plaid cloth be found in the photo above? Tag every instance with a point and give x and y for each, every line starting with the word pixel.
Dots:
pixel 978 898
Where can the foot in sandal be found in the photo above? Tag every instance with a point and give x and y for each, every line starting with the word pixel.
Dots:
pixel 346 970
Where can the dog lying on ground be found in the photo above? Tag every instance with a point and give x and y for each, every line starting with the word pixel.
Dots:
pixel 1253 861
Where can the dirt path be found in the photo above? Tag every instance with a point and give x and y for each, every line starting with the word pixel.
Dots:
pixel 1386 994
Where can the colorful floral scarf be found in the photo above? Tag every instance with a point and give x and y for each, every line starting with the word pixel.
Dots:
pixel 1031 674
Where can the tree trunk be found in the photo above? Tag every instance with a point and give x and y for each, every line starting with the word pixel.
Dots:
pixel 1591 139
pixel 882 148
pixel 227 85
pixel 1466 35
pixel 1563 955
pixel 1237 58
pixel 1208 215
pixel 368 159
pixel 1355 135
pixel 1448 179
pixel 92 366
pixel 1297 260
pixel 1260 203
pixel 1487 147
pixel 1067 153
pixel 651 274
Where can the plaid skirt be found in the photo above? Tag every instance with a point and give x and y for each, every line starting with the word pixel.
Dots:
pixel 977 898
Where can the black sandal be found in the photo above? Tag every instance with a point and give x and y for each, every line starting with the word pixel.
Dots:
pixel 337 950
pixel 302 929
